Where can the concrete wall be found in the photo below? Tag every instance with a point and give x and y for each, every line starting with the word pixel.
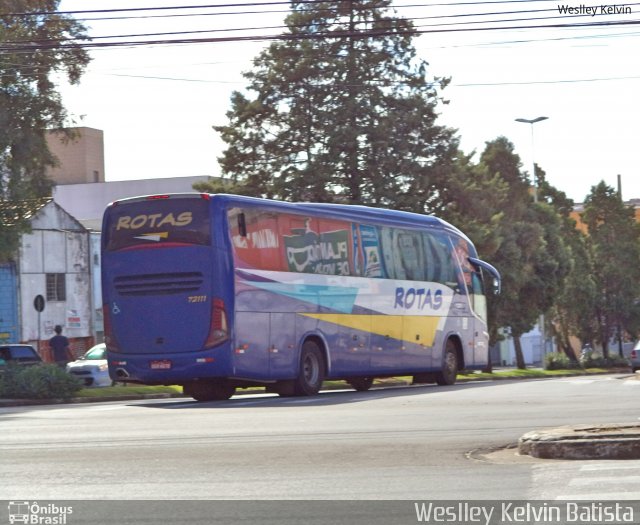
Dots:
pixel 81 160
pixel 57 244
pixel 88 201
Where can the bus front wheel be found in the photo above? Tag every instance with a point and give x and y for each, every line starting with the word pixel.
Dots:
pixel 449 372
pixel 311 372
pixel 210 390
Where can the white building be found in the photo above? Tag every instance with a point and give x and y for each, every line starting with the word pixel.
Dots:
pixel 87 201
pixel 54 262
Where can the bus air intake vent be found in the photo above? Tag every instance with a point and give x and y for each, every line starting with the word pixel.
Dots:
pixel 159 283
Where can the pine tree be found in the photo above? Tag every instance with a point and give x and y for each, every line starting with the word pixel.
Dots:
pixel 341 110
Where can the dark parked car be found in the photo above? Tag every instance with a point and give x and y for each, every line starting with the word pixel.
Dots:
pixel 18 354
pixel 634 357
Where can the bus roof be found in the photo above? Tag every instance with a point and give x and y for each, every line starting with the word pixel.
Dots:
pixel 379 216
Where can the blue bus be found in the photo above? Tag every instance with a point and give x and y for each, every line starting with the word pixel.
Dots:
pixel 219 292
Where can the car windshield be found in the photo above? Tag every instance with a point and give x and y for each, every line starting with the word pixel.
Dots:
pixel 95 353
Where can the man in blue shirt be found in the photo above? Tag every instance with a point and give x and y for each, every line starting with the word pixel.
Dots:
pixel 59 345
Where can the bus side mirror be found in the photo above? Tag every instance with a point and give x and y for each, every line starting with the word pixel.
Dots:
pixel 497 280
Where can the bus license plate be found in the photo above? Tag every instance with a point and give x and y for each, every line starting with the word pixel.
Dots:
pixel 163 364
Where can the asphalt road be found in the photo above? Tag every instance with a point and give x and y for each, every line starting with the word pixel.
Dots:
pixel 406 443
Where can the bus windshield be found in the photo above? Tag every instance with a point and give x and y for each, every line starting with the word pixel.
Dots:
pixel 157 223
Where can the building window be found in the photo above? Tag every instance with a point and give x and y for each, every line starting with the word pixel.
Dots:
pixel 56 287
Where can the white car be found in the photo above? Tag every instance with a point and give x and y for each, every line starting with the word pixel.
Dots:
pixel 92 368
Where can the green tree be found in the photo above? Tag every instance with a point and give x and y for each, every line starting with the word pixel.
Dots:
pixel 572 313
pixel 340 110
pixel 36 43
pixel 614 240
pixel 573 309
pixel 529 247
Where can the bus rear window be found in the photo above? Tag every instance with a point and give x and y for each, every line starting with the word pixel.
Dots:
pixel 161 222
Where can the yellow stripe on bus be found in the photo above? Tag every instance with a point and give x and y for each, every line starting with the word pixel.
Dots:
pixel 410 328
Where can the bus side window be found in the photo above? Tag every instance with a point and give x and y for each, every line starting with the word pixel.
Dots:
pixel 464 269
pixel 390 253
pixel 373 264
pixel 411 255
pixel 478 299
pixel 434 262
pixel 441 263
pixel 477 284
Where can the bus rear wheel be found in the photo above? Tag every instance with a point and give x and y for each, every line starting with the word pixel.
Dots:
pixel 311 372
pixel 210 390
pixel 361 384
pixel 449 372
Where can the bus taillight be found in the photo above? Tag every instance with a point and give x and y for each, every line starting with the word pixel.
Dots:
pixel 106 320
pixel 109 338
pixel 219 328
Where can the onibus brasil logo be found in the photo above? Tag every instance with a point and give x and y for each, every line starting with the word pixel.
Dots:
pixel 34 513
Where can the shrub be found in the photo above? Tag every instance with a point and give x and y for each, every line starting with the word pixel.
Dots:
pixel 597 360
pixel 559 361
pixel 618 361
pixel 38 382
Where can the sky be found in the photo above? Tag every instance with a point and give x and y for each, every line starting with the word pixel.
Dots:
pixel 157 103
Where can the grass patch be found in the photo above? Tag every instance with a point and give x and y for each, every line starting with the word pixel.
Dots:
pixel 111 391
pixel 530 373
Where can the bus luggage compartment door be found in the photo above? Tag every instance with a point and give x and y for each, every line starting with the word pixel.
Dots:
pixel 251 349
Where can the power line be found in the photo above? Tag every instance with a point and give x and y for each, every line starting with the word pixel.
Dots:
pixel 48 44
pixel 199 14
pixel 45 44
pixel 437 17
pixel 246 4
pixel 306 36
pixel 535 82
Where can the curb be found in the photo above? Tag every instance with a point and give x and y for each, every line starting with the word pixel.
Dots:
pixel 617 441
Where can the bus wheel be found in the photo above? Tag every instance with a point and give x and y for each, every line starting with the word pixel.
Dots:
pixel 210 390
pixel 361 384
pixel 311 373
pixel 447 376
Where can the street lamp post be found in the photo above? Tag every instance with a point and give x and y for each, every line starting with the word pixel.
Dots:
pixel 533 161
pixel 531 122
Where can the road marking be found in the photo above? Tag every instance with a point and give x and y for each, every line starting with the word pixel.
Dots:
pixel 602 480
pixel 598 496
pixel 614 479
pixel 605 466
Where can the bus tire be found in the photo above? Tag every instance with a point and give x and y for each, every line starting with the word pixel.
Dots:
pixel 360 384
pixel 210 390
pixel 449 372
pixel 311 371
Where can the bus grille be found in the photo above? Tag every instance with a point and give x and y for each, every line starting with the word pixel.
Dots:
pixel 158 283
